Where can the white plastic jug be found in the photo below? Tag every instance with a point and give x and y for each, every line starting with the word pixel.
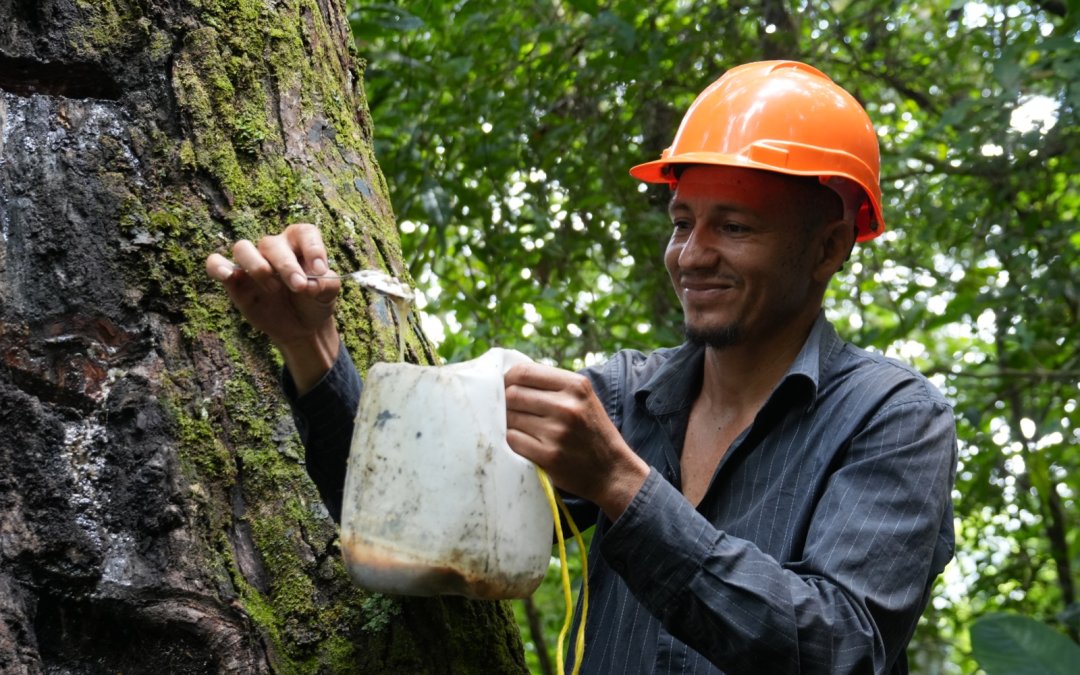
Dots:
pixel 435 500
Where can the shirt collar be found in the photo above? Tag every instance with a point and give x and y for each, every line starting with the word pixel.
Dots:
pixel 676 382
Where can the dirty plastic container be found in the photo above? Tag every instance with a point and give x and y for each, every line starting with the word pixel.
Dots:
pixel 435 500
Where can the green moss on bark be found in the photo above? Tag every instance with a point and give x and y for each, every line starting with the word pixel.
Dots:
pixel 108 26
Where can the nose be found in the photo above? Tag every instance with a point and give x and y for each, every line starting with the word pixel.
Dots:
pixel 699 251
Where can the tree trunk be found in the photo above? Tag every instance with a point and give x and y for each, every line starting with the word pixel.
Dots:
pixel 154 511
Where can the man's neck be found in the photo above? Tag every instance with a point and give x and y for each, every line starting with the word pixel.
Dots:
pixel 739 378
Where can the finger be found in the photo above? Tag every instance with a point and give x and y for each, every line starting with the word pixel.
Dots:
pixel 525 399
pixel 529 447
pixel 255 265
pixel 244 292
pixel 537 376
pixel 283 258
pixel 525 422
pixel 219 268
pixel 306 240
pixel 522 443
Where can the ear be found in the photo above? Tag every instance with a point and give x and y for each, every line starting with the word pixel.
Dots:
pixel 834 243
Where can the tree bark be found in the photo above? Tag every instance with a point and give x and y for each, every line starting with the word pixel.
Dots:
pixel 154 511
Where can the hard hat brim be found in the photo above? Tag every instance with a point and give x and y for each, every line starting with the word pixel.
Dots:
pixel 660 170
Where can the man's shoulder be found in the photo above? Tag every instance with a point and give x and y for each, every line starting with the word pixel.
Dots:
pixel 629 369
pixel 871 373
pixel 656 357
pixel 635 366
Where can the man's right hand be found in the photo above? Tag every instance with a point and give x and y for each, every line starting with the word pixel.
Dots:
pixel 268 283
pixel 554 419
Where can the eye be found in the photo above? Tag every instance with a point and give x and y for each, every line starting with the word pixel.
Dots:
pixel 732 227
pixel 681 223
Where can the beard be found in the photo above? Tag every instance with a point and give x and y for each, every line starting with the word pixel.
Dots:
pixel 716 337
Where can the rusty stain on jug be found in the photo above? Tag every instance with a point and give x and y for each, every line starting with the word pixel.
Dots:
pixel 384 567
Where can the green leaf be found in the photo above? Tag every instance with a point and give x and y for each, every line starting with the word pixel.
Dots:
pixel 1010 644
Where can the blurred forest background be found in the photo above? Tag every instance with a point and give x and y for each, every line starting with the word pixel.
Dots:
pixel 505 130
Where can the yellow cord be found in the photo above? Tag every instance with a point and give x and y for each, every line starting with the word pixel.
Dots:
pixel 556 503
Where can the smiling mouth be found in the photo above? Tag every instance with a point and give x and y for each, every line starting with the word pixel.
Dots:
pixel 702 286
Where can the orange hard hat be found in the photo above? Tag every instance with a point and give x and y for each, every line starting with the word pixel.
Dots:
pixel 788 117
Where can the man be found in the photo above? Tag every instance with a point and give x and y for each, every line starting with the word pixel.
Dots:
pixel 767 498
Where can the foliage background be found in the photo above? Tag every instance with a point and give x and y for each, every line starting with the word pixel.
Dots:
pixel 505 130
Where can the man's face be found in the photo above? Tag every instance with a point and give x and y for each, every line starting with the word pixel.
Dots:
pixel 740 255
